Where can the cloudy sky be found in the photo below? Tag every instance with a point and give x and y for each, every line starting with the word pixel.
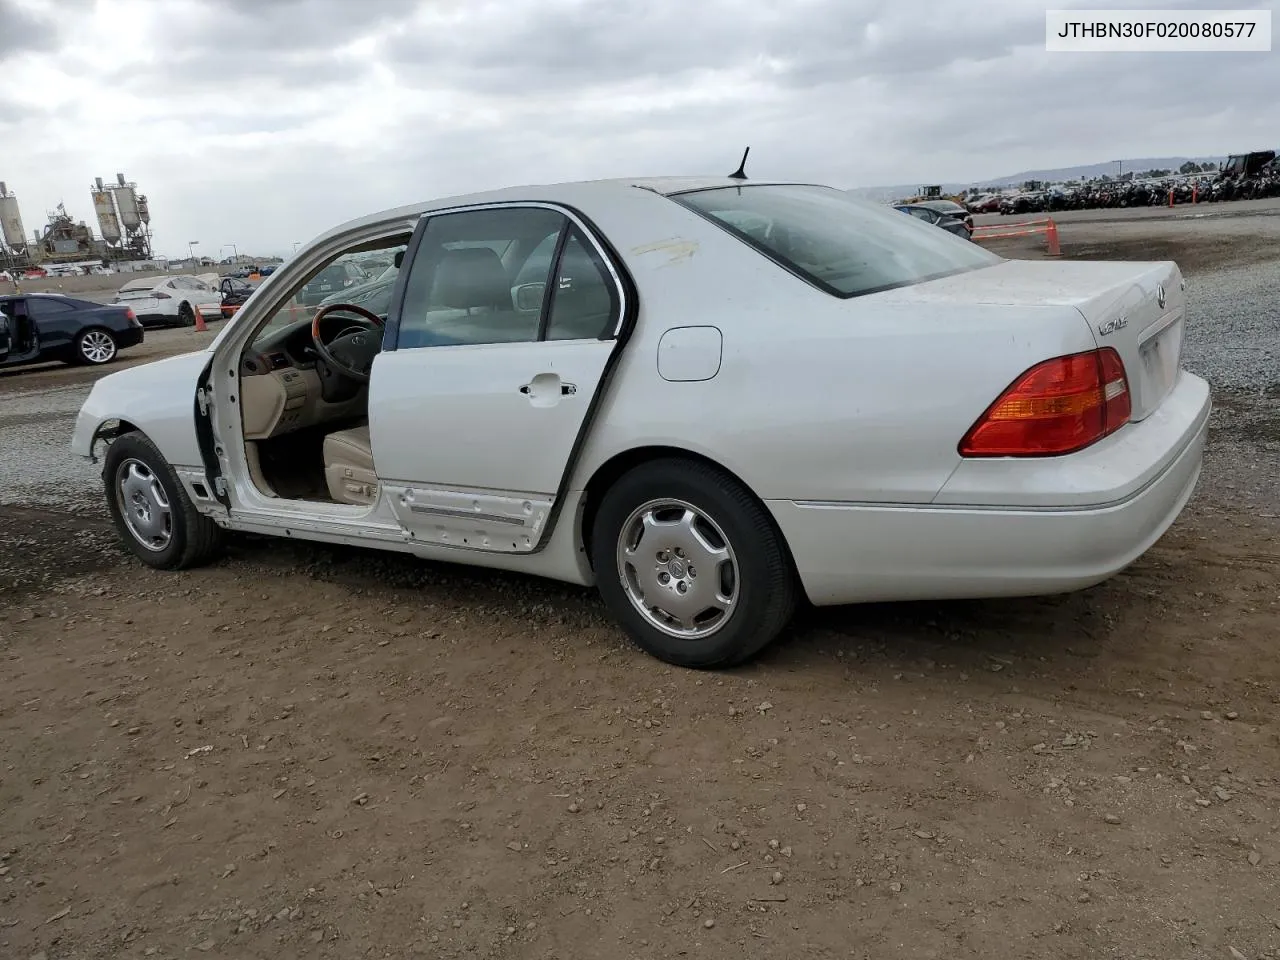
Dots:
pixel 264 122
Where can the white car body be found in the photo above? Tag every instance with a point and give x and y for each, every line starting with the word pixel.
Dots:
pixel 840 416
pixel 167 300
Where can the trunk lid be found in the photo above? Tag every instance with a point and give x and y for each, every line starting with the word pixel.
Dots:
pixel 1139 308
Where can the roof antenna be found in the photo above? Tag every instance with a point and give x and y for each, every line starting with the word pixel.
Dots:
pixel 741 172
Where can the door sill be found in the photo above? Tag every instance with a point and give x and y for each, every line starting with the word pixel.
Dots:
pixel 309 519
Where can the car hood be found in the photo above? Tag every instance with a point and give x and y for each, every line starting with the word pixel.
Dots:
pixel 157 374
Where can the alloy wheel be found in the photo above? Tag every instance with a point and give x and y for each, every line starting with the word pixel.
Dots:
pixel 678 568
pixel 144 505
pixel 97 346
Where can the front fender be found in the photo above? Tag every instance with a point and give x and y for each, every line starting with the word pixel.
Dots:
pixel 158 398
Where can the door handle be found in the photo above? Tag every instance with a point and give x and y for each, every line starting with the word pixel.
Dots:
pixel 566 389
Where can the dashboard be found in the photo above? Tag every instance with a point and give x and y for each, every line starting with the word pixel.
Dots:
pixel 280 386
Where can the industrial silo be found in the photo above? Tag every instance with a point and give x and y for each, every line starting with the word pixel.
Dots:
pixel 11 229
pixel 105 209
pixel 127 203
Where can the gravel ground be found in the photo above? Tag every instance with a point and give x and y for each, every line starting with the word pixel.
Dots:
pixel 36 425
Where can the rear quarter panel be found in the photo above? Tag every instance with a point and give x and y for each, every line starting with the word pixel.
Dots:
pixel 817 398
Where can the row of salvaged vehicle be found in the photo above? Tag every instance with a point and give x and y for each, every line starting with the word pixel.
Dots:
pixel 1250 176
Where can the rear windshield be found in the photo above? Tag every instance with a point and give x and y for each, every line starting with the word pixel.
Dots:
pixel 135 285
pixel 841 245
pixel 334 273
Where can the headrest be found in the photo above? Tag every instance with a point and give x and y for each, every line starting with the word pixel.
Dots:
pixel 471 277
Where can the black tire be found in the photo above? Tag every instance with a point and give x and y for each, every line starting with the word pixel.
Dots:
pixel 95 347
pixel 764 580
pixel 186 316
pixel 192 539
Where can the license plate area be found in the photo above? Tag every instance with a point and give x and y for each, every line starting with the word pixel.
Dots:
pixel 1160 355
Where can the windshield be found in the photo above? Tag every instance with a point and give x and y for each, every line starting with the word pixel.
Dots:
pixel 844 246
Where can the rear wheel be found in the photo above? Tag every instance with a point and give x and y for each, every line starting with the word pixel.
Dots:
pixel 690 564
pixel 95 347
pixel 151 510
pixel 186 316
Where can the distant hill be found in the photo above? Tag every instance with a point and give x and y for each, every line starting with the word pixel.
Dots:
pixel 887 194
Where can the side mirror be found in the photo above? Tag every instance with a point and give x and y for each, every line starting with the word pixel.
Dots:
pixel 528 296
pixel 399 259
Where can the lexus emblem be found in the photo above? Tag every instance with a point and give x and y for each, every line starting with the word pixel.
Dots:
pixel 1160 296
pixel 358 339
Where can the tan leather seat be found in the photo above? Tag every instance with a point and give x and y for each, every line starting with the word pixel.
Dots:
pixel 348 466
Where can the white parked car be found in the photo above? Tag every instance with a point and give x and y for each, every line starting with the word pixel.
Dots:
pixel 171 301
pixel 710 398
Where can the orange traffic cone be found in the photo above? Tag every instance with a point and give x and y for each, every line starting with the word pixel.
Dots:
pixel 200 325
pixel 1051 235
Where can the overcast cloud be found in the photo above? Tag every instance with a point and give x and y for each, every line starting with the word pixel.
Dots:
pixel 264 122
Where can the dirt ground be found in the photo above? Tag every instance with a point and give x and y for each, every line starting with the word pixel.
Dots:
pixel 305 751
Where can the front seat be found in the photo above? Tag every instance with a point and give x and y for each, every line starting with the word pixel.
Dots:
pixel 348 466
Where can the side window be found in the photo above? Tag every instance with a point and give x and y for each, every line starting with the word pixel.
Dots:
pixel 333 282
pixel 468 283
pixel 584 304
pixel 40 308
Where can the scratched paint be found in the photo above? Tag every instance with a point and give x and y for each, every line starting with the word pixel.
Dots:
pixel 676 249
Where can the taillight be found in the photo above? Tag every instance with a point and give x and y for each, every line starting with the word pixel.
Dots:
pixel 129 314
pixel 160 296
pixel 1059 406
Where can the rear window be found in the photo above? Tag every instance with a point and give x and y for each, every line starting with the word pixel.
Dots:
pixel 134 285
pixel 843 246
pixel 334 273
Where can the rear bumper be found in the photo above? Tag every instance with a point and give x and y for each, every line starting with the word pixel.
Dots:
pixel 129 337
pixel 850 553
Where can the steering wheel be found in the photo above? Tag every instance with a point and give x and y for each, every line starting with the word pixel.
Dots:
pixel 351 352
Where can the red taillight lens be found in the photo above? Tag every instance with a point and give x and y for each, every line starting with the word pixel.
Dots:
pixel 161 296
pixel 1056 407
pixel 129 314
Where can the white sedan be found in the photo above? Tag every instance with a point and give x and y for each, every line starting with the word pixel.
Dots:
pixel 171 301
pixel 711 398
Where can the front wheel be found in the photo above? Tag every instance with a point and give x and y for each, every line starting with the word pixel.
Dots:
pixel 691 565
pixel 95 347
pixel 151 510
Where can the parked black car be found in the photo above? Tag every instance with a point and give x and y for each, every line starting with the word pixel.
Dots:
pixel 40 327
pixel 929 215
pixel 948 208
pixel 335 277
